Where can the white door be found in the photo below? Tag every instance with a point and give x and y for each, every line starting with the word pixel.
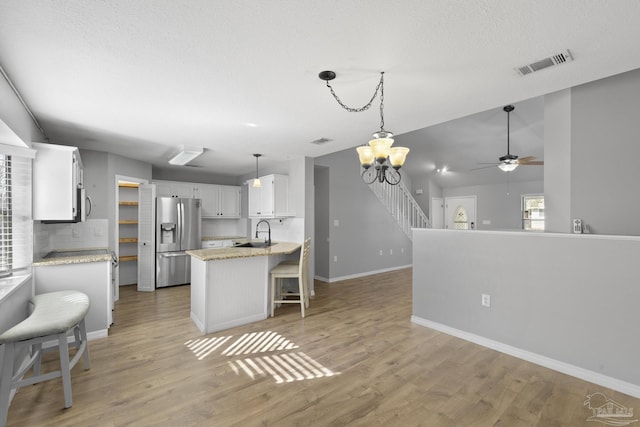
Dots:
pixel 460 213
pixel 437 212
pixel 146 238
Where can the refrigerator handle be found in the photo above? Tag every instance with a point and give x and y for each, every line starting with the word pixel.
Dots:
pixel 180 223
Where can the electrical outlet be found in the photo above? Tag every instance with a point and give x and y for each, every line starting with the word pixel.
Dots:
pixel 486 300
pixel 390 251
pixel 380 252
pixel 401 250
pixel 75 232
pixel 335 258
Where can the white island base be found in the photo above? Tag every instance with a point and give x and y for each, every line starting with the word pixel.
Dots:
pixel 230 292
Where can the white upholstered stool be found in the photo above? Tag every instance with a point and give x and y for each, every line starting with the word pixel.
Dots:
pixel 53 315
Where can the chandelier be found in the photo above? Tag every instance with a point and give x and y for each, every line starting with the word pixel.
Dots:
pixel 387 160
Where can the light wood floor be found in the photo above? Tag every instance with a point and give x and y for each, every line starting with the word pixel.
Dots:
pixel 356 359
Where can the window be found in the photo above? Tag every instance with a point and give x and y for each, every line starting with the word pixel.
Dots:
pixel 533 212
pixel 16 226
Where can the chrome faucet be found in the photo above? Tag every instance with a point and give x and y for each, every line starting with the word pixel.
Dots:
pixel 269 230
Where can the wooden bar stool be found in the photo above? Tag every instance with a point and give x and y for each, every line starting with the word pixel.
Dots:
pixel 291 269
pixel 53 315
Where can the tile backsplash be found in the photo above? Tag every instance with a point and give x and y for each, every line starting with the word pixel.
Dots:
pixel 93 233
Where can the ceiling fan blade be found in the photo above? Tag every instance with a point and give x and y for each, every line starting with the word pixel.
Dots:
pixel 493 165
pixel 526 159
pixel 534 163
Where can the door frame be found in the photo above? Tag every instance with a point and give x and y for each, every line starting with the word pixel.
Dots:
pixel 474 220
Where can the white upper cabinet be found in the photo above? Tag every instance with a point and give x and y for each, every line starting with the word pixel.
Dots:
pixel 272 199
pixel 57 183
pixel 218 201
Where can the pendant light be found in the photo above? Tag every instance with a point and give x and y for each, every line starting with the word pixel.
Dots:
pixel 387 160
pixel 256 182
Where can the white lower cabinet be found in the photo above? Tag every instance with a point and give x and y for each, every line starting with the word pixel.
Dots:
pixel 91 278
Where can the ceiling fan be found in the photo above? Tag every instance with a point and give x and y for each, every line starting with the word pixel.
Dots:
pixel 509 161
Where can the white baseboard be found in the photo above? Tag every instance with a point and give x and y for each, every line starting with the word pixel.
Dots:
pixel 365 274
pixel 547 362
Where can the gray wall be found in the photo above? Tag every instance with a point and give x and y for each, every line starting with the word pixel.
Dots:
pixel 192 174
pixel 500 204
pixel 605 129
pixel 322 222
pixel 540 301
pixel 365 226
pixel 557 163
pixel 96 182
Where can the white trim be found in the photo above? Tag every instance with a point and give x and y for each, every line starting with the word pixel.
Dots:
pixel 547 362
pixel 365 274
pixel 12 150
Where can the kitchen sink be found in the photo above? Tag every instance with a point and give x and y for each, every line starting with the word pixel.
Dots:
pixel 253 245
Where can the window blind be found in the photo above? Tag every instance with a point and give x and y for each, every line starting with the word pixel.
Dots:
pixel 16 225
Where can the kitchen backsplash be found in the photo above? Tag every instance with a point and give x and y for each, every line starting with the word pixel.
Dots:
pixel 224 227
pixel 93 233
pixel 283 230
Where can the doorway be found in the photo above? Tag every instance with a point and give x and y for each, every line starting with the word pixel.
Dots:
pixel 460 213
pixel 437 212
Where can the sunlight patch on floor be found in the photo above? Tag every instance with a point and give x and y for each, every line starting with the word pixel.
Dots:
pixel 283 368
pixel 205 346
pixel 259 342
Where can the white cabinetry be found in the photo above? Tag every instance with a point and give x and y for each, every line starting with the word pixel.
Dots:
pixel 57 179
pixel 176 189
pixel 220 201
pixel 272 199
pixel 92 278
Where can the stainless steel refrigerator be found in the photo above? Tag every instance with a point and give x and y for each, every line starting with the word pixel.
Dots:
pixel 178 225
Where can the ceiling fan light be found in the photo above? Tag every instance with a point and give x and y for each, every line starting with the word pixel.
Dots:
pixel 397 156
pixel 381 148
pixel 508 167
pixel 366 156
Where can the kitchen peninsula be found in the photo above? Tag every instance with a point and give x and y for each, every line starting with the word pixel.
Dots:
pixel 230 286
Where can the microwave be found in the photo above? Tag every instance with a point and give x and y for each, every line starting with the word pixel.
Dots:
pixel 83 209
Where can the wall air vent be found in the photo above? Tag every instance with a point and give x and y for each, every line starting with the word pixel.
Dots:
pixel 557 59
pixel 320 141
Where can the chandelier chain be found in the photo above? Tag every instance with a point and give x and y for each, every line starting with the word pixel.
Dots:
pixel 379 88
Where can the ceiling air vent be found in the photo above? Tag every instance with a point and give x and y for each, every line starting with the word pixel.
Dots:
pixel 320 141
pixel 557 59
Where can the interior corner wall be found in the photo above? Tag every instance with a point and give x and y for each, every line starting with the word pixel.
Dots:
pixel 14 115
pixel 605 153
pixel 96 182
pixel 322 221
pixel 364 227
pixel 557 164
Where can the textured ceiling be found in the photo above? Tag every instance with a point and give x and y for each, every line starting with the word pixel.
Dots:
pixel 138 78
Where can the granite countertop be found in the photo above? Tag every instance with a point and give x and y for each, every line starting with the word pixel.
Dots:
pixel 74 256
pixel 278 248
pixel 205 238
